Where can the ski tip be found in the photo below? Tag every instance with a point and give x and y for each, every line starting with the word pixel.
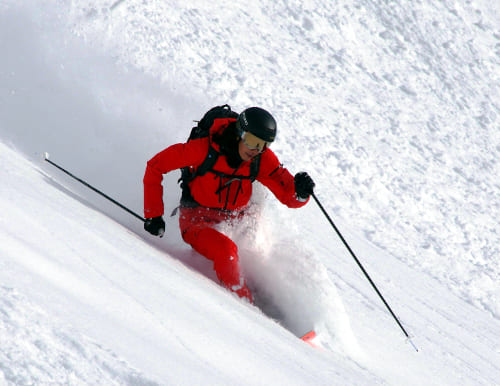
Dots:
pixel 309 338
pixel 46 155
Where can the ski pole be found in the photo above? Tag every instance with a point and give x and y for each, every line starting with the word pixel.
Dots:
pixel 363 269
pixel 94 189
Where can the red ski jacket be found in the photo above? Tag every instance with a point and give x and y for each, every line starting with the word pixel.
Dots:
pixel 206 189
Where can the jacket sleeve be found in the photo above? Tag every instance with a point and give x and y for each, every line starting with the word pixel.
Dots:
pixel 174 157
pixel 278 180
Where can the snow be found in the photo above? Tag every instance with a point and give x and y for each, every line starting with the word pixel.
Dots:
pixel 391 107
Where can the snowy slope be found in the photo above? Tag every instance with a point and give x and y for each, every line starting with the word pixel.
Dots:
pixel 64 261
pixel 394 111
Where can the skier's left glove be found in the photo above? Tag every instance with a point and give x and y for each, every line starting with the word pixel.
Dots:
pixel 155 226
pixel 304 185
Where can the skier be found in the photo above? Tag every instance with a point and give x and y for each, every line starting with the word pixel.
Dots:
pixel 223 192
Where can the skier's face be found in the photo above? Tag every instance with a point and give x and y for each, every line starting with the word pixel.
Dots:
pixel 250 145
pixel 246 154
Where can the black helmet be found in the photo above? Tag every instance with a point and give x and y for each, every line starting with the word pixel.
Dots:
pixel 258 122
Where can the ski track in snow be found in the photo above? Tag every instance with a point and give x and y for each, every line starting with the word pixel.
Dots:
pixel 399 103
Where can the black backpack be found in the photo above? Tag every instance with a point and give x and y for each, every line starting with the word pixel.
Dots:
pixel 201 130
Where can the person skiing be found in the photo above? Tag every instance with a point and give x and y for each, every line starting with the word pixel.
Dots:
pixel 222 193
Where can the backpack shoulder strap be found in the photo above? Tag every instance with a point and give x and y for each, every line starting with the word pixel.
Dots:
pixel 254 167
pixel 187 175
pixel 208 163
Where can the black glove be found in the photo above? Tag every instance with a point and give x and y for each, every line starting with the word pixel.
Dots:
pixel 155 226
pixel 304 185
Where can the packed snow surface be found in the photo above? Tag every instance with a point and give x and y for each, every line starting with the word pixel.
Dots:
pixel 393 108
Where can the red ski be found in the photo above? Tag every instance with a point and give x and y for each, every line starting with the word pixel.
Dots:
pixel 309 338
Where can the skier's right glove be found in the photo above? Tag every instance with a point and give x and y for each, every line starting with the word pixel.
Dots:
pixel 304 185
pixel 155 226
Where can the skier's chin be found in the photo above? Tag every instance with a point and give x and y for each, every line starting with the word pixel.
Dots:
pixel 248 156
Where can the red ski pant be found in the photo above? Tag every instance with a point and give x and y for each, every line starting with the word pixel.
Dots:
pixel 197 228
